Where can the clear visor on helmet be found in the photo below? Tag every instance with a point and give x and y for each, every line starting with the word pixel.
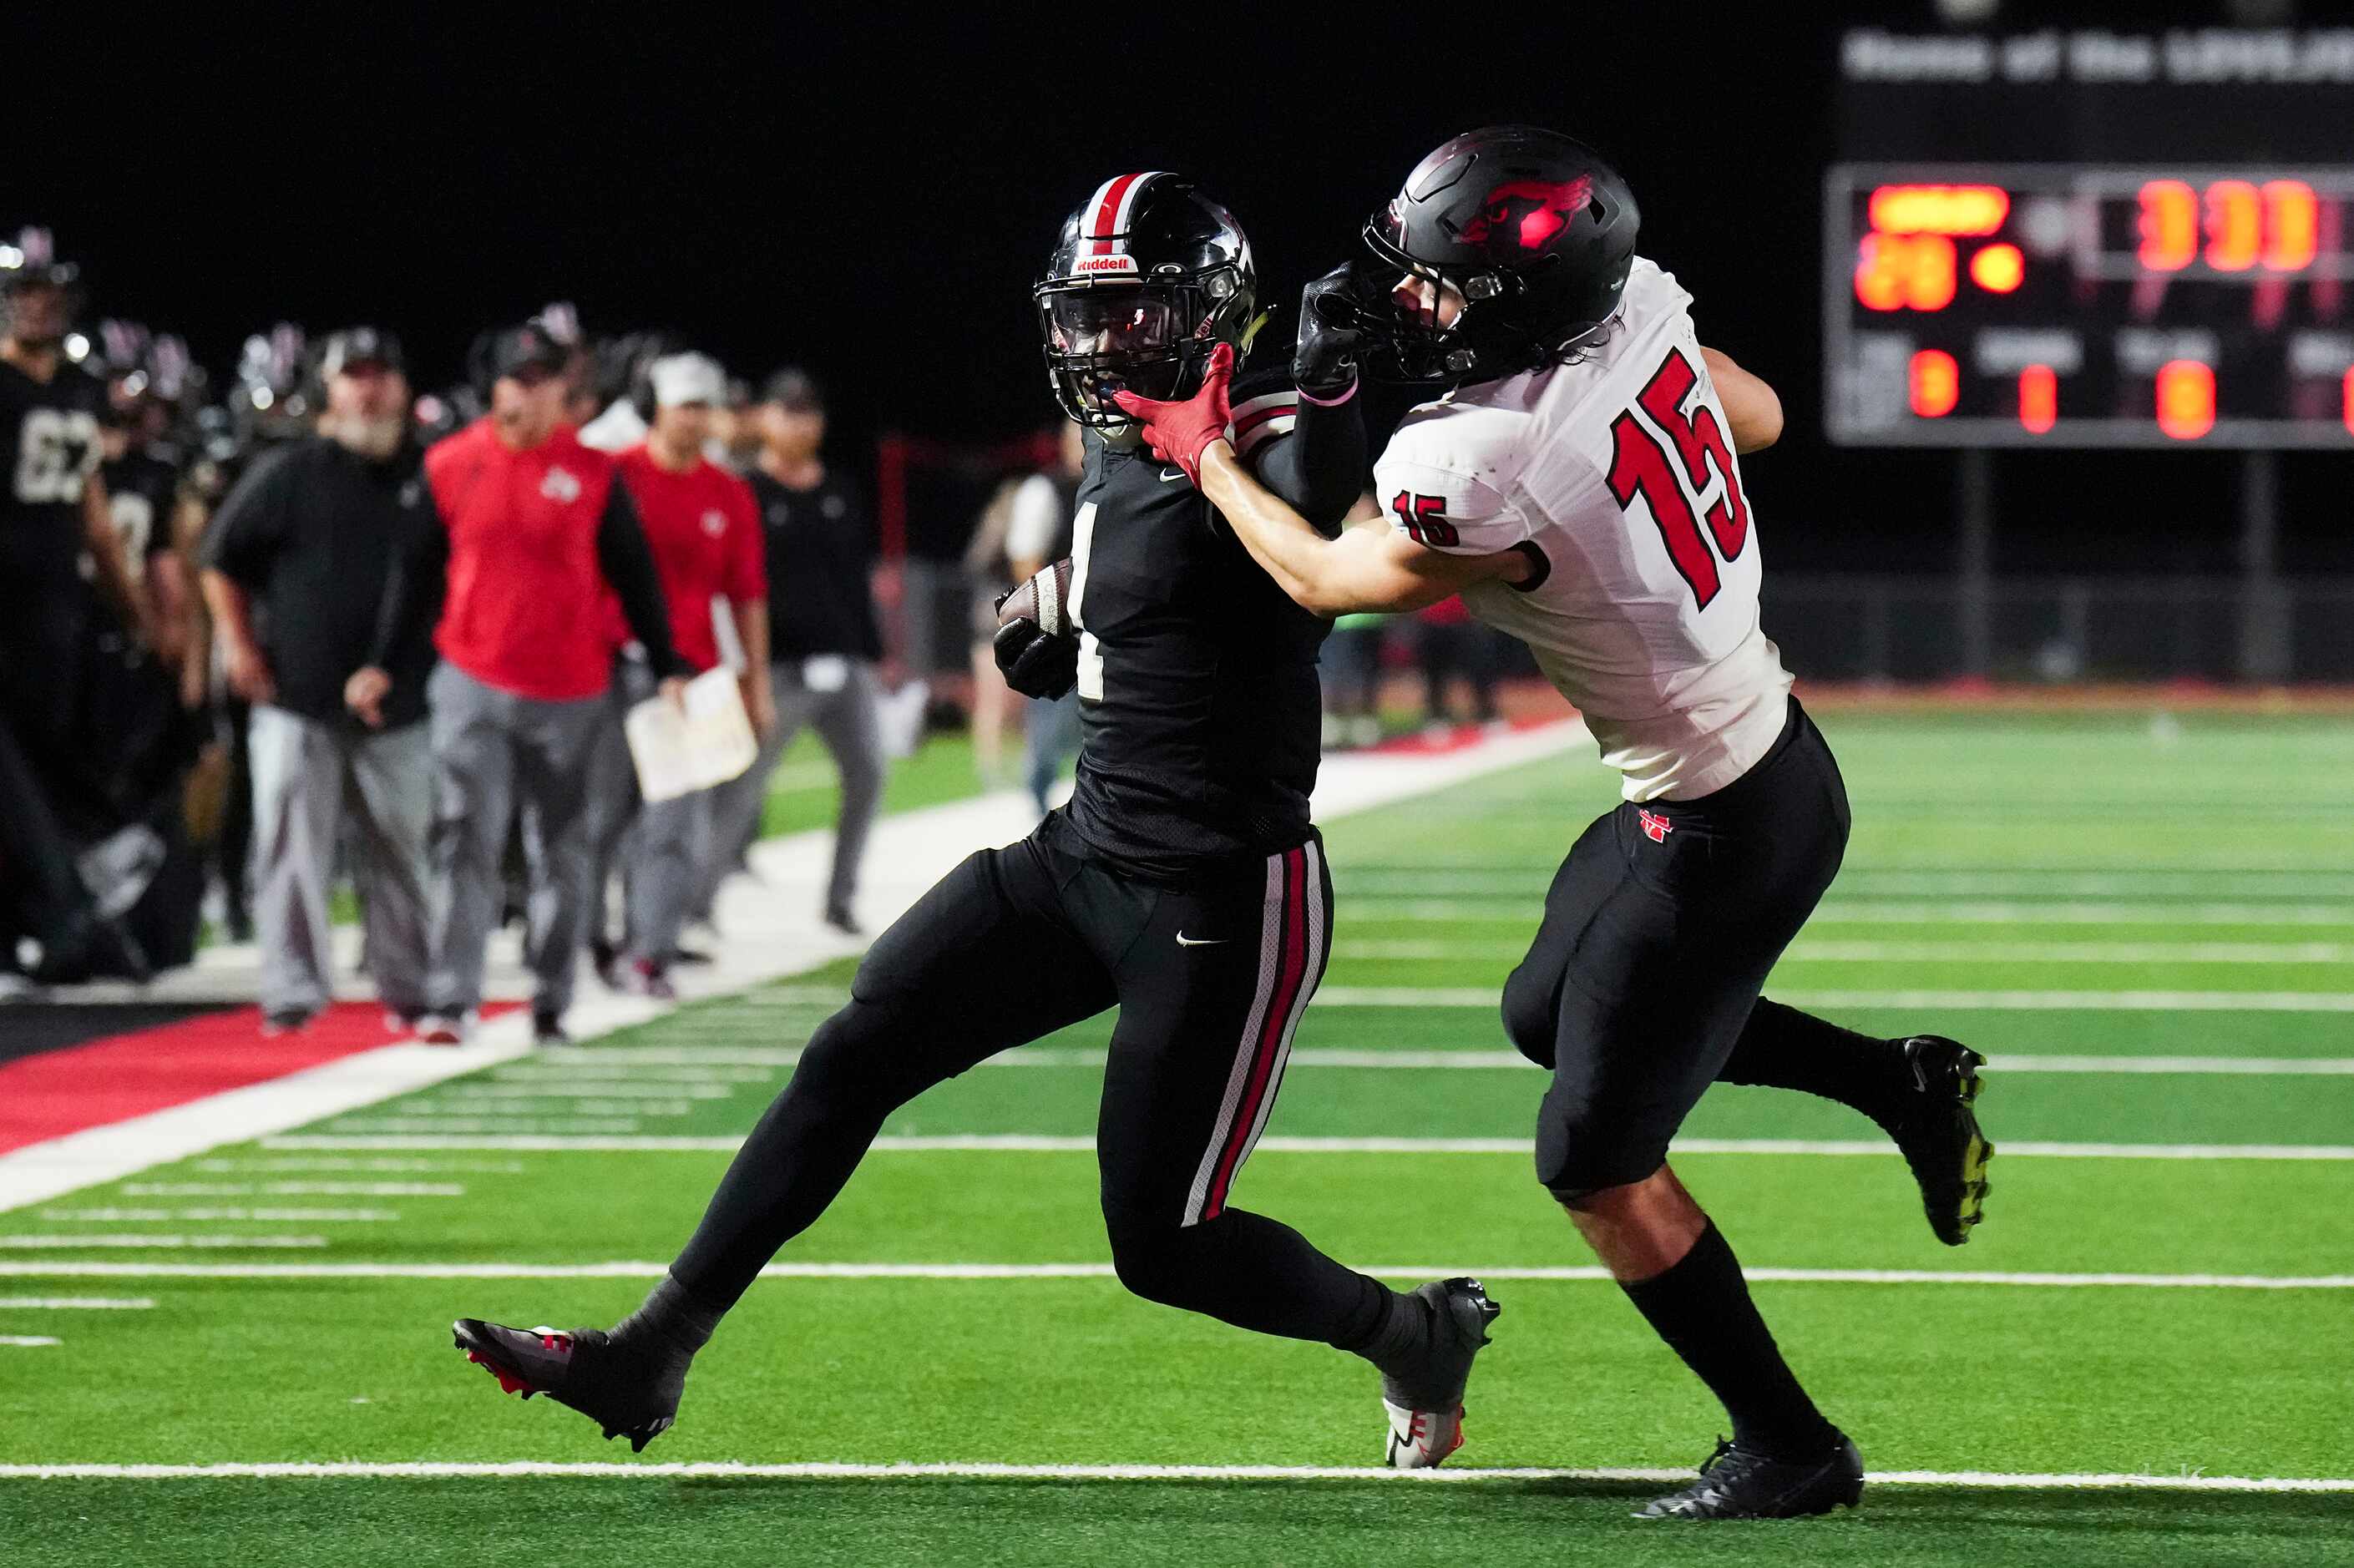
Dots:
pixel 1112 320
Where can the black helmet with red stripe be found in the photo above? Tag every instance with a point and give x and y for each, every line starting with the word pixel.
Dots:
pixel 1148 275
pixel 1533 232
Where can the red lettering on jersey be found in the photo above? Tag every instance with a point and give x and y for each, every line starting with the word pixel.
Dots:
pixel 1424 518
pixel 1700 441
pixel 1656 828
pixel 1640 465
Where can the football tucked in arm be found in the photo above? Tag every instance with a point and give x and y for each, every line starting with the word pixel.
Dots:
pixel 1037 647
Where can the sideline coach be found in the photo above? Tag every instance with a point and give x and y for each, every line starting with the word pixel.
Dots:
pixel 530 528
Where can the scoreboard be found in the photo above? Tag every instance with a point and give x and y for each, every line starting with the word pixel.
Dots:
pixel 2080 254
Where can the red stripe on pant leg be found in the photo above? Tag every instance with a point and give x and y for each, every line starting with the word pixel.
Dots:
pixel 1293 971
pixel 1107 212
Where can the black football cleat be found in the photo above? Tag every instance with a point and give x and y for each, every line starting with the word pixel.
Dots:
pixel 625 1392
pixel 1935 1126
pixel 1423 1393
pixel 1738 1483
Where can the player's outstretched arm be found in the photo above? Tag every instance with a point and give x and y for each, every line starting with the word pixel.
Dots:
pixel 1370 566
pixel 1749 402
pixel 1361 570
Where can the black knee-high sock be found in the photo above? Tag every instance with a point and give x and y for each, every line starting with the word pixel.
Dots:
pixel 1702 1308
pixel 1260 1274
pixel 794 1164
pixel 1783 1048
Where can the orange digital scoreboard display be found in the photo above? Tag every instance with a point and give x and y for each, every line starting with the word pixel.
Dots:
pixel 2090 305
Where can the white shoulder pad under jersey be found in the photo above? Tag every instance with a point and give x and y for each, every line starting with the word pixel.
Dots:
pixel 1616 474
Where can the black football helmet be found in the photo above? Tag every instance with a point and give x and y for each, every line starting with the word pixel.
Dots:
pixel 1148 275
pixel 1533 230
pixel 30 262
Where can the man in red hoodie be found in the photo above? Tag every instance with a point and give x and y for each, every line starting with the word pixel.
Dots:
pixel 706 535
pixel 528 528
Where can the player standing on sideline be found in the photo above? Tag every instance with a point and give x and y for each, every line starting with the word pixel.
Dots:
pixel 54 515
pixel 824 640
pixel 1182 882
pixel 528 528
pixel 1563 487
pixel 705 537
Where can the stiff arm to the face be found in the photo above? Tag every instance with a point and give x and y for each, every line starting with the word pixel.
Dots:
pixel 1380 564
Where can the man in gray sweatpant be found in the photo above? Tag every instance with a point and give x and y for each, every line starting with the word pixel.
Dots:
pixel 823 634
pixel 530 530
pixel 295 562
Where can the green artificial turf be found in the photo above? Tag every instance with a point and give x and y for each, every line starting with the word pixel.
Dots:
pixel 1982 844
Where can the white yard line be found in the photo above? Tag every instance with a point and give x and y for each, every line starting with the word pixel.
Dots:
pixel 1441 909
pixel 821 1471
pixel 1469 1060
pixel 77 1303
pixel 1057 1143
pixel 2009 954
pixel 296 1188
pixel 1951 1001
pixel 163 1244
pixel 219 1216
pixel 986 1272
pixel 27 1341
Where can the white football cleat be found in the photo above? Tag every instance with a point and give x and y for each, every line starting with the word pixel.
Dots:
pixel 1424 1394
pixel 1420 1439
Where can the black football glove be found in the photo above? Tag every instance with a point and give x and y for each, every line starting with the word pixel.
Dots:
pixel 1332 335
pixel 1036 663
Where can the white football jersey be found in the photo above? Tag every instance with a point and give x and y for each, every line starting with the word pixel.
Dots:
pixel 1616 476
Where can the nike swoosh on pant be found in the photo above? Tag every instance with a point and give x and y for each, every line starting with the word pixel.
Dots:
pixel 1185 941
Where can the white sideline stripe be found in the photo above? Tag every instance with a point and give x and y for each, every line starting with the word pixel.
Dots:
pixel 77 1303
pixel 1954 1000
pixel 292 1190
pixel 940 833
pixel 634 1094
pixel 2006 953
pixel 219 1215
pixel 446 1470
pixel 27 1341
pixel 1057 1143
pixel 20 1243
pixel 977 1272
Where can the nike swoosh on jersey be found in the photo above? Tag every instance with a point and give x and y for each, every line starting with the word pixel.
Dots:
pixel 1185 941
pixel 1169 473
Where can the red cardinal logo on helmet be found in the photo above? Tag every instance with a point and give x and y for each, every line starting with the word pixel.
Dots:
pixel 1528 212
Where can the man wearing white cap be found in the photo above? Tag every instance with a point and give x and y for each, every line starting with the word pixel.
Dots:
pixel 706 534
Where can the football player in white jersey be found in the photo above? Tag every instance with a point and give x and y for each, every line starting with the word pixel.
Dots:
pixel 1579 487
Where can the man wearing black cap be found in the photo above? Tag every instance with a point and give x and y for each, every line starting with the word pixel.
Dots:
pixel 530 529
pixel 295 565
pixel 824 637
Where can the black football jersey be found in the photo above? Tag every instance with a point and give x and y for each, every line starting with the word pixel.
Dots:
pixel 1197 681
pixel 50 447
pixel 141 489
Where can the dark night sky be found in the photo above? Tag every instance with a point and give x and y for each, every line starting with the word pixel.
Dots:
pixel 875 202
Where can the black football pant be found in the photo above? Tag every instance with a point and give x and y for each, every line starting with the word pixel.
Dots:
pixel 1014 944
pixel 1641 987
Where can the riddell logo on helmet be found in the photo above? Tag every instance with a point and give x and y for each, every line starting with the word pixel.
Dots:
pixel 1106 264
pixel 1528 212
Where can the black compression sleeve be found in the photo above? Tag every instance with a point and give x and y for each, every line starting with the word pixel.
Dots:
pixel 628 564
pixel 1319 468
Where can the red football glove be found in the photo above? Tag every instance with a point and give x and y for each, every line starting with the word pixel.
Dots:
pixel 1181 432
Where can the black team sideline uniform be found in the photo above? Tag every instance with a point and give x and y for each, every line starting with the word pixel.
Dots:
pixel 1183 883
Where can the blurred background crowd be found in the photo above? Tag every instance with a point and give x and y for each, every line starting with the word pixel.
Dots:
pixel 223 716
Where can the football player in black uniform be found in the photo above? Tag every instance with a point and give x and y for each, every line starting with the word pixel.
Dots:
pixel 53 517
pixel 1183 884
